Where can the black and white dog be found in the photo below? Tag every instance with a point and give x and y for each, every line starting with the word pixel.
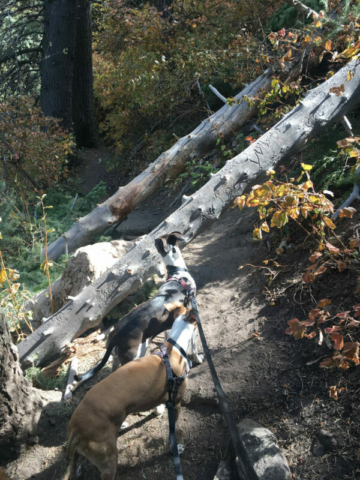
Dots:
pixel 131 336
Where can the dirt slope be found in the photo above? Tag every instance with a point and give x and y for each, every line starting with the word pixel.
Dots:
pixel 265 375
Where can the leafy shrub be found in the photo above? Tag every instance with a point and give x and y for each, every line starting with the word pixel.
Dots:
pixel 34 148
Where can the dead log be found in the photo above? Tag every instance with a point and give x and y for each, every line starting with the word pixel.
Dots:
pixel 320 108
pixel 170 164
pixel 83 268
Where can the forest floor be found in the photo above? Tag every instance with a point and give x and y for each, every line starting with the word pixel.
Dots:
pixel 265 373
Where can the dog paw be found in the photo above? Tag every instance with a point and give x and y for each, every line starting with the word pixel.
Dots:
pixel 124 425
pixel 200 358
pixel 160 410
pixel 181 449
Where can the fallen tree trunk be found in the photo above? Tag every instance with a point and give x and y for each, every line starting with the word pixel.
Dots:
pixel 319 109
pixel 83 268
pixel 170 164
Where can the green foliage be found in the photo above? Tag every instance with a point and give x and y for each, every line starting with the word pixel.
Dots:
pixel 287 16
pixel 38 380
pixel 331 171
pixel 34 148
pixel 148 69
pixel 23 231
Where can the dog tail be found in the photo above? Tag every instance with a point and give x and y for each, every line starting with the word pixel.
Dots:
pixel 99 366
pixel 72 456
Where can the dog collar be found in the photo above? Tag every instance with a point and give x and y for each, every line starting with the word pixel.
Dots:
pixel 172 269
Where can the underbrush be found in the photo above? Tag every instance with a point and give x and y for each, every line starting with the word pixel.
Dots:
pixel 38 380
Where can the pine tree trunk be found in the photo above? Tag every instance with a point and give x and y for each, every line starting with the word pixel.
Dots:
pixel 83 106
pixel 317 111
pixel 58 63
pixel 20 404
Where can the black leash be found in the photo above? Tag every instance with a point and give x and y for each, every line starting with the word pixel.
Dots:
pixel 174 383
pixel 244 467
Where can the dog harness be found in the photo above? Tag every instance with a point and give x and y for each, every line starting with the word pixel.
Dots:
pixel 174 381
pixel 179 278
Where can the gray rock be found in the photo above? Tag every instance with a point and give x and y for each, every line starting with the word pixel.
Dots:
pixel 266 457
pixel 223 471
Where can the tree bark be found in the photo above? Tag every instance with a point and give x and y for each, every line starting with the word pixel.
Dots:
pixel 318 110
pixel 20 404
pixel 82 106
pixel 170 164
pixel 57 67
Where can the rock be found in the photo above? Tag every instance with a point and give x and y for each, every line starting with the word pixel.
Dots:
pixel 323 443
pixel 223 471
pixel 266 457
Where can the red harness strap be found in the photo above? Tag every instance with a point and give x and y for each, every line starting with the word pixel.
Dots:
pixel 182 283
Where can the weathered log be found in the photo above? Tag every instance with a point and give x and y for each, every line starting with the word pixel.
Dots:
pixel 170 164
pixel 83 268
pixel 319 109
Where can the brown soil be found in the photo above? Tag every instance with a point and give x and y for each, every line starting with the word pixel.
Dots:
pixel 263 371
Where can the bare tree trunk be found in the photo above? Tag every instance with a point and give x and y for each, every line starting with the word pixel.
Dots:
pixel 223 124
pixel 20 404
pixel 318 110
pixel 58 63
pixel 82 105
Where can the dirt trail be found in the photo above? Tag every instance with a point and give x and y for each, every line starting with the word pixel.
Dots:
pixel 262 370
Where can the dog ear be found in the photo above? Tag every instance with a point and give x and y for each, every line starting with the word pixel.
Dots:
pixel 175 237
pixel 170 307
pixel 162 246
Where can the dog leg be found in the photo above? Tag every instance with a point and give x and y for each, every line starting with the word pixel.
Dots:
pixel 194 354
pixel 166 335
pixel 104 456
pixel 115 363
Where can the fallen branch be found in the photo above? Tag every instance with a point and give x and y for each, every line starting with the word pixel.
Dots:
pixel 301 8
pixel 317 111
pixel 218 94
pixel 222 124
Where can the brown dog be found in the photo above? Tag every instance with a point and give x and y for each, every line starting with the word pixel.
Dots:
pixel 138 386
pixel 3 475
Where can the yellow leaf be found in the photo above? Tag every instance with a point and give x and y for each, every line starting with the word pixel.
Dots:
pixel 305 167
pixel 261 191
pixel 264 226
pixel 308 184
pixel 279 219
pixel 315 199
pixel 240 201
pixel 350 75
pixel 329 223
pixel 328 46
pixel 2 275
pixel 257 234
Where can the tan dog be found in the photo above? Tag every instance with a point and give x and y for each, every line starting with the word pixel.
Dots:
pixel 138 386
pixel 3 475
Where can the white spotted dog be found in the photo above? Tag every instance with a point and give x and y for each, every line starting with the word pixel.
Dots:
pixel 130 338
pixel 138 386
